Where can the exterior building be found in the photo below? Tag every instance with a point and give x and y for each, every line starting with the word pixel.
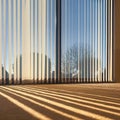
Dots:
pixel 59 41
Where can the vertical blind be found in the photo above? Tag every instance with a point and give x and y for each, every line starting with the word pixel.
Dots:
pixel 29 41
pixel 86 40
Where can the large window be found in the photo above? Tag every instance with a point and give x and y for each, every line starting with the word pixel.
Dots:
pixel 86 44
pixel 55 41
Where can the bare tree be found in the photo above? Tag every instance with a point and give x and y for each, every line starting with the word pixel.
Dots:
pixel 72 65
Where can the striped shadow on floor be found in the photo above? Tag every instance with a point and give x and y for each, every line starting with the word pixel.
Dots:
pixel 64 105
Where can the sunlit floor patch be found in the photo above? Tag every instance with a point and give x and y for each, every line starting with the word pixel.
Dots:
pixel 63 98
pixel 63 102
pixel 25 108
pixel 66 107
pixel 76 99
pixel 55 89
pixel 45 106
pixel 75 96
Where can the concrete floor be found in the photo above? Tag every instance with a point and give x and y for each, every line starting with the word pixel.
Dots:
pixel 60 102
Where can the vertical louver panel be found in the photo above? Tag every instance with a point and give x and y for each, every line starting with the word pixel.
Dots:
pixel 4 66
pixel 25 40
pixel 14 39
pixel 39 38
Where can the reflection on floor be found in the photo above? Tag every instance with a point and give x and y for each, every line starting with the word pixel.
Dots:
pixel 60 102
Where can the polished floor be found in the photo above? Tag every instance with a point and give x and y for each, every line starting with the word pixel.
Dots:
pixel 60 102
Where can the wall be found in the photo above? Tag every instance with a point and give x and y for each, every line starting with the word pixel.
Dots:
pixel 117 41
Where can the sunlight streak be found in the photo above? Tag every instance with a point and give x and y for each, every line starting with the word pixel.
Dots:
pixel 75 96
pixel 66 107
pixel 112 98
pixel 25 108
pixel 75 103
pixel 45 106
